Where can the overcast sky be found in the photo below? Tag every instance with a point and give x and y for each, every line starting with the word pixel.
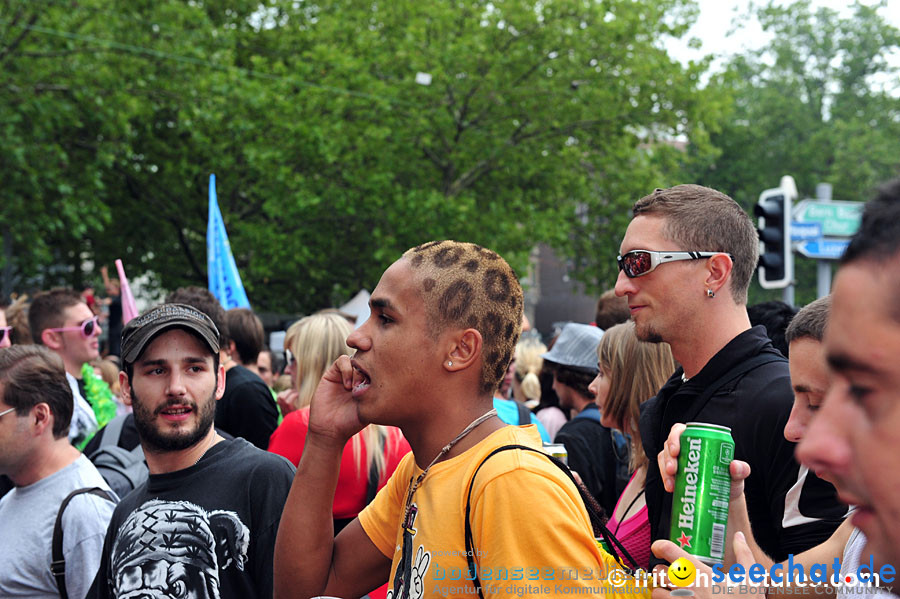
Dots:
pixel 715 21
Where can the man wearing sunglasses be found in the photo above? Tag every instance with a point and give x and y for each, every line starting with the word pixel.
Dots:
pixel 60 320
pixel 685 266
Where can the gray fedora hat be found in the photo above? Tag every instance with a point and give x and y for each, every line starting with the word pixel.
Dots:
pixel 576 347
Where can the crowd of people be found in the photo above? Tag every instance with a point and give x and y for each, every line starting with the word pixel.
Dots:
pixel 410 455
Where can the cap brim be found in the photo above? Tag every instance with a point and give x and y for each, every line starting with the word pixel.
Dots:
pixel 154 330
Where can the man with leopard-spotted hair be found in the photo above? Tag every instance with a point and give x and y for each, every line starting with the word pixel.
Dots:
pixel 444 322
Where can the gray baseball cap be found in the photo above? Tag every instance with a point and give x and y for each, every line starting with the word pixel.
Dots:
pixel 576 347
pixel 139 331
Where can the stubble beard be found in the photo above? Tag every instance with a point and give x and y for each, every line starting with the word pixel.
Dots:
pixel 177 440
pixel 647 333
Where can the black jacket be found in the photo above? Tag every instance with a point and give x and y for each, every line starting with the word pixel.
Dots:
pixel 756 406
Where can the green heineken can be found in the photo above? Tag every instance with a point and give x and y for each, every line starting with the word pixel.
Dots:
pixel 702 489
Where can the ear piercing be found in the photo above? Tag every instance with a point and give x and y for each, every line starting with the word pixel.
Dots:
pixel 710 293
pixel 449 363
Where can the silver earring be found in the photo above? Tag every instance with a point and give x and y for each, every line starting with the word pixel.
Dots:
pixel 449 363
pixel 710 293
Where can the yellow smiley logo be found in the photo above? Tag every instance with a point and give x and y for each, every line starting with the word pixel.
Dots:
pixel 682 572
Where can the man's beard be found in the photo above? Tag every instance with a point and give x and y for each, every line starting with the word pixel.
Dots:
pixel 153 439
pixel 647 333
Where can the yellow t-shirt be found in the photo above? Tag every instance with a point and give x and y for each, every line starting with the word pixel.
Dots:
pixel 532 535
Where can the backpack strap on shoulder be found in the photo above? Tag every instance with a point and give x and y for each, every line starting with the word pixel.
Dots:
pixel 58 565
pixel 112 432
pixel 589 414
pixel 594 511
pixel 524 413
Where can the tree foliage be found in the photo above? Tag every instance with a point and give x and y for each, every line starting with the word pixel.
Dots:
pixel 542 122
pixel 821 102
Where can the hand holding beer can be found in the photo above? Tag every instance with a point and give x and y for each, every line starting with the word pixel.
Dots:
pixel 702 490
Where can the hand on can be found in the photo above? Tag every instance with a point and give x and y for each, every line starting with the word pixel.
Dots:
pixel 667 460
pixel 702 583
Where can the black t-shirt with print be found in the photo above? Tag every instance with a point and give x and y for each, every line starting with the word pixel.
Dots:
pixel 205 531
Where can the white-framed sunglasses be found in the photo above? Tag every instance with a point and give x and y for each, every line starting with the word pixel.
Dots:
pixel 637 263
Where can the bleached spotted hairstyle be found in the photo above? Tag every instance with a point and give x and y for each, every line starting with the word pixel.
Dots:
pixel 467 286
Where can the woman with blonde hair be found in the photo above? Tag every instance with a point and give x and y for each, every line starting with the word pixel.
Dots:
pixel 370 457
pixel 631 372
pixel 526 385
pixel 312 344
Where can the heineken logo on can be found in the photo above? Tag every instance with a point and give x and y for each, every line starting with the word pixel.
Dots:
pixel 689 498
pixel 702 490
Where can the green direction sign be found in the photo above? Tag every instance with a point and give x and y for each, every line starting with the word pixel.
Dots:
pixel 838 219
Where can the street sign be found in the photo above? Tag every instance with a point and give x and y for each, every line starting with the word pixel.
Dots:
pixel 824 249
pixel 805 231
pixel 839 219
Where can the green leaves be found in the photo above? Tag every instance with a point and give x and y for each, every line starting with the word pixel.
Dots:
pixel 542 122
pixel 820 103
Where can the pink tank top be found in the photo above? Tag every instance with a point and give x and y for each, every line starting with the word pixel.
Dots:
pixel 633 533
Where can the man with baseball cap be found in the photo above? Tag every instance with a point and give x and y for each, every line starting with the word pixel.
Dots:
pixel 592 448
pixel 205 522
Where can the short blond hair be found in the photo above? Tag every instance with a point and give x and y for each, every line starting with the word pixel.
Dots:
pixel 316 342
pixel 467 286
pixel 636 370
pixel 702 219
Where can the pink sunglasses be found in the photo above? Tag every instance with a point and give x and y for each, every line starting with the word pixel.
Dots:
pixel 87 327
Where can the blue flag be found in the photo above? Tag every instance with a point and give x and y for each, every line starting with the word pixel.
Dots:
pixel 224 279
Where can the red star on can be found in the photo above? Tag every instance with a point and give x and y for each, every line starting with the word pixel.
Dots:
pixel 685 540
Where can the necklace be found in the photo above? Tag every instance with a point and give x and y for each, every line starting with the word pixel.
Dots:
pixel 443 452
pixel 403 574
pixel 202 455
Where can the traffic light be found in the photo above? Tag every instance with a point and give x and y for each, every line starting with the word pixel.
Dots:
pixel 776 260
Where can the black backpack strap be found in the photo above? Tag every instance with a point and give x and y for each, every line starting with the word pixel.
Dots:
pixel 58 565
pixel 590 504
pixel 524 413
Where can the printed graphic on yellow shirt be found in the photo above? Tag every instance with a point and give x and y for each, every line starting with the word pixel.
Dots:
pixel 409 579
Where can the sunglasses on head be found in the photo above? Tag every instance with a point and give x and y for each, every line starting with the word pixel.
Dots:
pixel 87 327
pixel 4 331
pixel 637 263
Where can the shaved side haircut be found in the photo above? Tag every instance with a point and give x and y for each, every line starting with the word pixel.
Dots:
pixel 810 321
pixel 47 310
pixel 701 219
pixel 464 285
